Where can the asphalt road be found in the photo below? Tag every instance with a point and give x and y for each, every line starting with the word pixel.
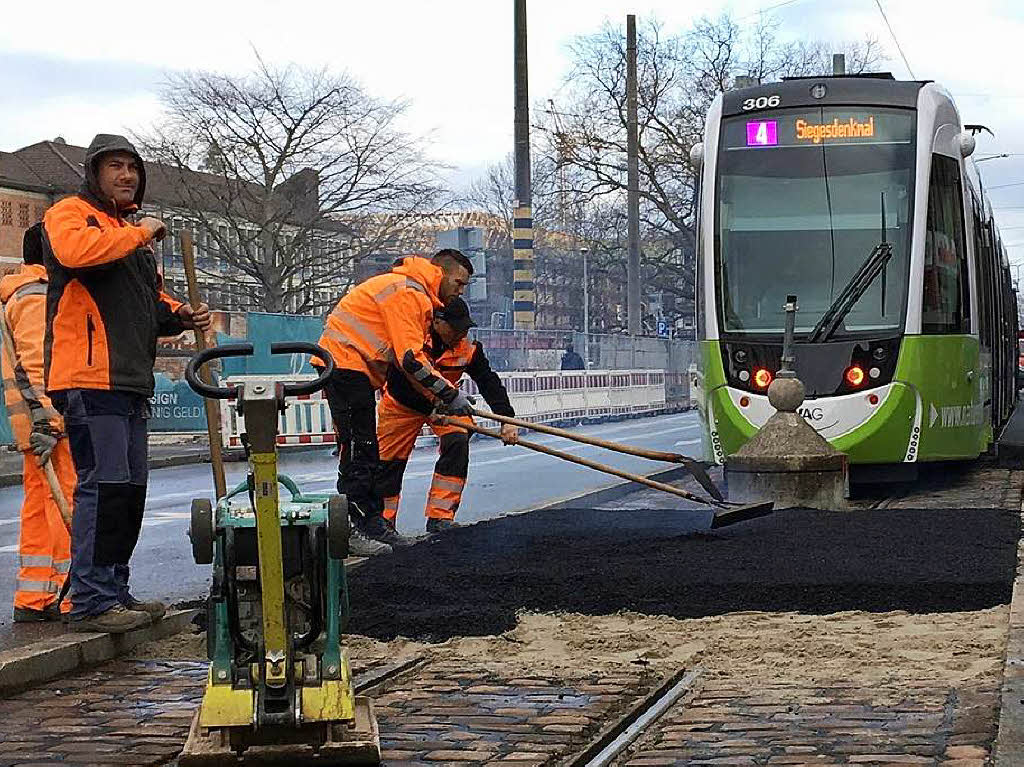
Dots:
pixel 501 480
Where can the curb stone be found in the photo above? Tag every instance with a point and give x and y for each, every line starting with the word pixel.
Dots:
pixel 1009 746
pixel 50 658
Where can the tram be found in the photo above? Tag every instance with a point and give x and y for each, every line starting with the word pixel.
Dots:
pixel 857 195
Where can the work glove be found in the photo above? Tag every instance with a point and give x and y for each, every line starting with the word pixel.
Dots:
pixel 42 441
pixel 460 404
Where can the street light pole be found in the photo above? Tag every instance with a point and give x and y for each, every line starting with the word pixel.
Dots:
pixel 586 308
pixel 586 291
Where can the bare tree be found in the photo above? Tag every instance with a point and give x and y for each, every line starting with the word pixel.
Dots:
pixel 289 175
pixel 678 76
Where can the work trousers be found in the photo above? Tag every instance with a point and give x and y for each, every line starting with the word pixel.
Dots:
pixel 44 546
pixel 107 433
pixel 397 428
pixel 351 397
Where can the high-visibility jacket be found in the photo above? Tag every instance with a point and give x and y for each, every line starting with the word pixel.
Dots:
pixel 24 305
pixel 105 308
pixel 467 357
pixel 384 320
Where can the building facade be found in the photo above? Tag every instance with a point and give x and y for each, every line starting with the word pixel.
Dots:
pixel 34 177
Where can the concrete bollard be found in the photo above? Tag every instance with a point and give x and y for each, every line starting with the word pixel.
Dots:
pixel 787 461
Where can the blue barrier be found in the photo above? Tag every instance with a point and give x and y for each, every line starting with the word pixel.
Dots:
pixel 6 435
pixel 175 407
pixel 265 329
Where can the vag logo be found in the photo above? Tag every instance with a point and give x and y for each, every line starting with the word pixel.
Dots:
pixel 812 413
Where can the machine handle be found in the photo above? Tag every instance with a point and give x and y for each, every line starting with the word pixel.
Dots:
pixel 282 479
pixel 304 347
pixel 213 353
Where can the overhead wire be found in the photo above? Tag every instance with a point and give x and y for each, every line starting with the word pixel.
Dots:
pixel 895 39
pixel 768 8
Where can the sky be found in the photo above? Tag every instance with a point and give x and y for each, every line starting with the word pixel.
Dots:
pixel 85 72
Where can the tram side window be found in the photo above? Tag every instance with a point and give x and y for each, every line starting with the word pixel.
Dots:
pixel 945 304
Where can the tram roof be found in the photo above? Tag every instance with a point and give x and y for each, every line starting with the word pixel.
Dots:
pixel 878 89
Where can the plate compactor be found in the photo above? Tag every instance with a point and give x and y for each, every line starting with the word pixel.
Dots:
pixel 279 689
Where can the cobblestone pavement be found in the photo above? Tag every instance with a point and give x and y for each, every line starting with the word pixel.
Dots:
pixel 134 713
pixel 471 716
pixel 138 713
pixel 727 723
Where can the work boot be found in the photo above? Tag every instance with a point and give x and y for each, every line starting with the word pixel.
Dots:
pixel 155 610
pixel 29 615
pixel 362 545
pixel 117 620
pixel 392 537
pixel 435 525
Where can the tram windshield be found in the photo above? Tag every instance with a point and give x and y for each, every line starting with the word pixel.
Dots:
pixel 800 207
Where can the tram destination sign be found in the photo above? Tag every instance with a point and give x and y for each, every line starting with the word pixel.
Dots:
pixel 814 128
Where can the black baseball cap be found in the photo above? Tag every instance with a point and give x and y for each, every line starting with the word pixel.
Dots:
pixel 456 314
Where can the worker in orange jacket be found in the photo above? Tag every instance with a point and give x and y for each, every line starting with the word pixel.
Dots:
pixel 406 406
pixel 105 311
pixel 44 546
pixel 381 321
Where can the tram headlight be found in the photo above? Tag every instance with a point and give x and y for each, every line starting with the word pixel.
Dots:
pixel 762 378
pixel 855 375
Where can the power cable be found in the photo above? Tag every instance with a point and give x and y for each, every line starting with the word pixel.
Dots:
pixel 894 39
pixel 767 8
pixel 1004 186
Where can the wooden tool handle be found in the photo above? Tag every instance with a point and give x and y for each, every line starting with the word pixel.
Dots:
pixel 618 447
pixel 58 495
pixel 582 462
pixel 212 407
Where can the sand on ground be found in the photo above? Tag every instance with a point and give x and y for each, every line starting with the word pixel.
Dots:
pixel 874 650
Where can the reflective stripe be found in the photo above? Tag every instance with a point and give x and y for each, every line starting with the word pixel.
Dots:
pixel 62 567
pixel 394 287
pixel 421 373
pixel 411 283
pixel 378 347
pixel 438 386
pixel 35 560
pixel 391 503
pixel 36 587
pixel 439 503
pixel 446 483
pixel 346 317
pixel 32 289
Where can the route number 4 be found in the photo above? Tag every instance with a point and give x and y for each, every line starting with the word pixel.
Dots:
pixel 761 102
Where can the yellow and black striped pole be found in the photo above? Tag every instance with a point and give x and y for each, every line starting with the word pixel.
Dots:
pixel 524 304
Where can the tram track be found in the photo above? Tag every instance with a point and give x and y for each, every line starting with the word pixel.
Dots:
pixel 617 737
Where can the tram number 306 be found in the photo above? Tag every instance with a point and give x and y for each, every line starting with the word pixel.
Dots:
pixel 761 102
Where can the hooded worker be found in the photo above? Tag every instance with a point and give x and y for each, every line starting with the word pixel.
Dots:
pixel 406 407
pixel 44 546
pixel 105 310
pixel 381 321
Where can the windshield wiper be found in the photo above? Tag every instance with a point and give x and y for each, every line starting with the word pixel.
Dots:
pixel 851 293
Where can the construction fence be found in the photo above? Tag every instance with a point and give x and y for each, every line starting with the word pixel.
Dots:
pixel 547 396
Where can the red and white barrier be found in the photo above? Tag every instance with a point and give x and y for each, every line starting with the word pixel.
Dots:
pixel 537 396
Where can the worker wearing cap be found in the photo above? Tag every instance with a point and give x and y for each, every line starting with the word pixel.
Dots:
pixel 44 545
pixel 381 324
pixel 406 407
